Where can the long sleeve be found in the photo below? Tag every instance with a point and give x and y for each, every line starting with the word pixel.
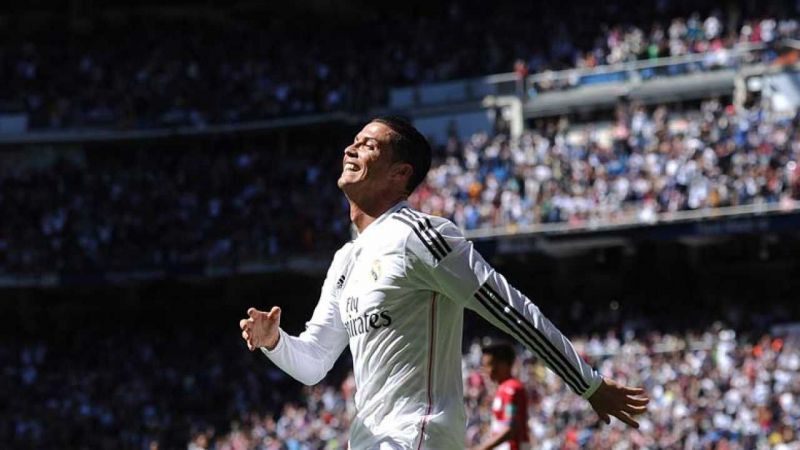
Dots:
pixel 440 258
pixel 309 357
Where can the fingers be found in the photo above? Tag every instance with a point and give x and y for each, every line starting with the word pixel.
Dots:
pixel 624 417
pixel 248 326
pixel 274 313
pixel 245 325
pixel 632 391
pixel 622 402
pixel 255 314
pixel 635 410
pixel 638 401
pixel 246 337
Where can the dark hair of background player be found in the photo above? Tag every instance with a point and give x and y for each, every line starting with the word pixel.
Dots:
pixel 501 352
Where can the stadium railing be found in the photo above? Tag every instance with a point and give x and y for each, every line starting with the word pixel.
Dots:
pixel 632 220
pixel 107 135
pixel 648 69
pixel 509 83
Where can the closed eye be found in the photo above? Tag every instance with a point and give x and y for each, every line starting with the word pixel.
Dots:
pixel 370 143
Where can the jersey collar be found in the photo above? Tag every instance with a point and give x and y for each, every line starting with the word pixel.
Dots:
pixel 367 231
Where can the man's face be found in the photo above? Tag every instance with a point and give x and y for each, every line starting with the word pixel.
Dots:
pixel 367 163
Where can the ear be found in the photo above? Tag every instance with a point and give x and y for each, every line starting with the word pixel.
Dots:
pixel 402 170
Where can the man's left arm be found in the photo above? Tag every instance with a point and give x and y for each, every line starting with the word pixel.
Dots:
pixel 498 437
pixel 442 259
pixel 504 432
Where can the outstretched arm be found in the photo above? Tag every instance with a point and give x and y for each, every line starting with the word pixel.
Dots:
pixel 444 261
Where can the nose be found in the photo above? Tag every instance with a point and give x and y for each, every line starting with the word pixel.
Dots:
pixel 350 151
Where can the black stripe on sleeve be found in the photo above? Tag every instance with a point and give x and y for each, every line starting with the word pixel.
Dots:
pixel 562 361
pixel 441 238
pixel 522 336
pixel 422 228
pixel 437 257
pixel 425 224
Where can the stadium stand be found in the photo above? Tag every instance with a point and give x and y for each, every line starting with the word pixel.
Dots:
pixel 170 229
pixel 162 388
pixel 710 390
pixel 645 162
pixel 150 72
pixel 157 206
pixel 226 204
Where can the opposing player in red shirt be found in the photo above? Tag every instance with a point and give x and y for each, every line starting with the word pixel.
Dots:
pixel 510 405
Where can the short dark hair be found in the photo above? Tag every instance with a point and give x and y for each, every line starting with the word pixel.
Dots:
pixel 500 351
pixel 408 146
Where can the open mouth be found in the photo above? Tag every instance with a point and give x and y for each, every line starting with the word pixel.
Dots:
pixel 350 167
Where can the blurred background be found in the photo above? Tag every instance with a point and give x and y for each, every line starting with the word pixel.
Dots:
pixel 631 166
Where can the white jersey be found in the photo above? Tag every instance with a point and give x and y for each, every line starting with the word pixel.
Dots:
pixel 396 295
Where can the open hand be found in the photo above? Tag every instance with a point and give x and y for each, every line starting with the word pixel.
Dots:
pixel 261 329
pixel 622 402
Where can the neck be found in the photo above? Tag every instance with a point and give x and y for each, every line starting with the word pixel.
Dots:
pixel 364 211
pixel 502 378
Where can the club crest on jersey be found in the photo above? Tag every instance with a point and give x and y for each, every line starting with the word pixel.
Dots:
pixel 375 271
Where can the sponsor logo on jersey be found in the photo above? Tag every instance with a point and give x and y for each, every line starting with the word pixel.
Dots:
pixel 366 322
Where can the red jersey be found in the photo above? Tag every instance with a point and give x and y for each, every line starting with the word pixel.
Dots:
pixel 511 402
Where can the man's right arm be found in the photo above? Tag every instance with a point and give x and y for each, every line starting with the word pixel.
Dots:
pixel 309 356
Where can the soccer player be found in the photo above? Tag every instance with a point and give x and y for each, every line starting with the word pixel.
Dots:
pixel 510 405
pixel 396 294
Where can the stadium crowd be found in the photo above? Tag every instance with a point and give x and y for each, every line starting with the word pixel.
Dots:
pixel 645 162
pixel 155 72
pixel 128 389
pixel 163 207
pixel 710 390
pixel 125 209
pixel 756 40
